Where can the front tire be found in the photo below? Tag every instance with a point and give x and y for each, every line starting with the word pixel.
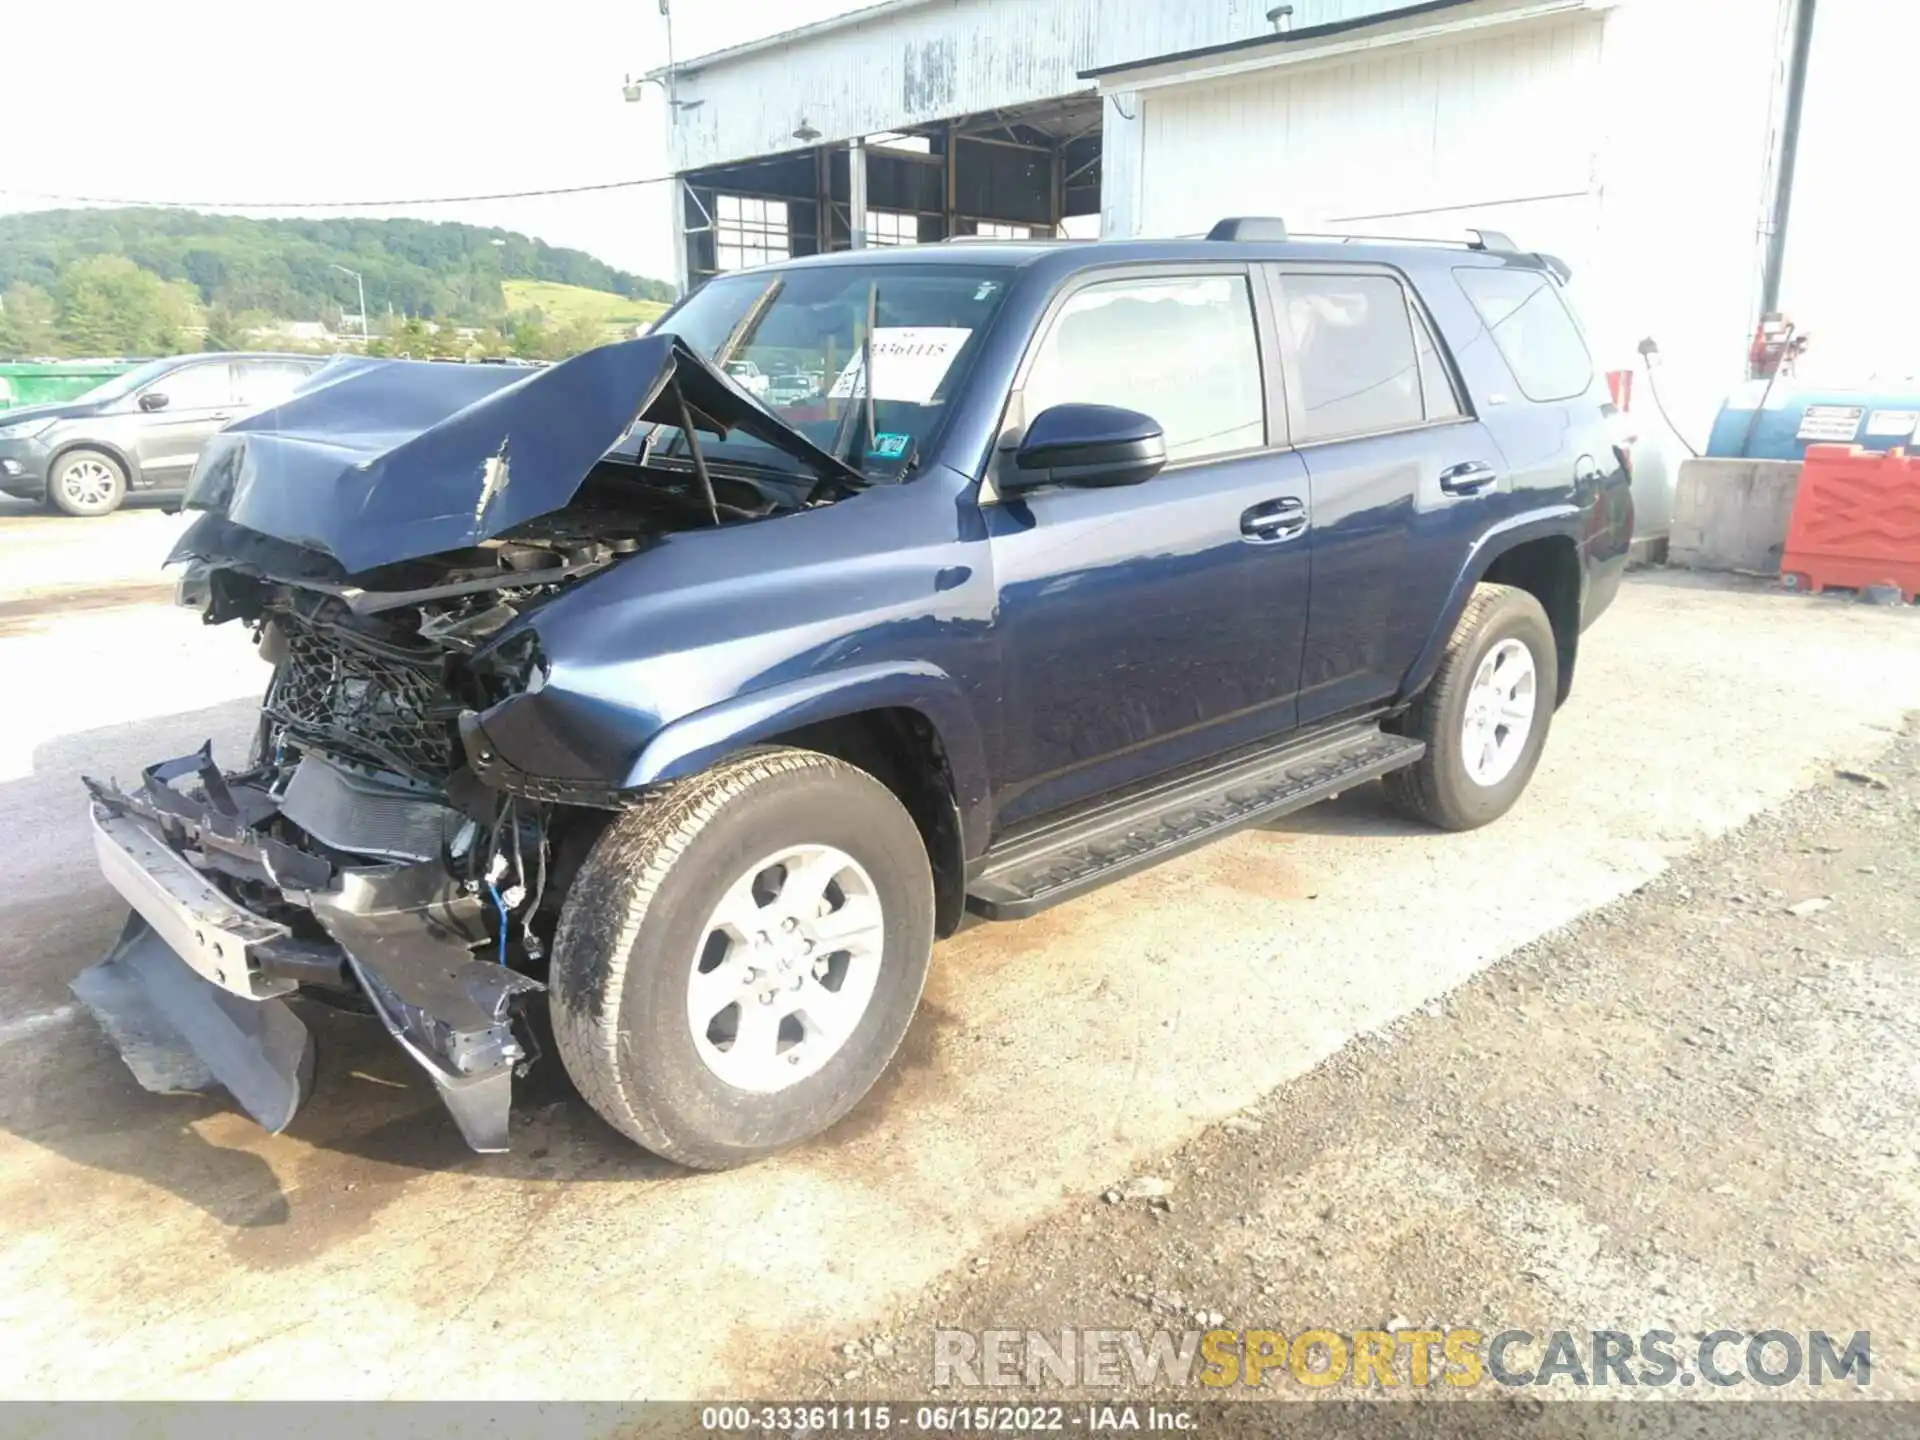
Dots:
pixel 86 482
pixel 1485 715
pixel 739 958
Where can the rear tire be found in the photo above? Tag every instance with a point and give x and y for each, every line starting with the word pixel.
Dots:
pixel 86 482
pixel 739 958
pixel 1483 742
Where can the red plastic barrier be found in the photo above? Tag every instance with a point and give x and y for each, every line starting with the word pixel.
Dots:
pixel 1856 521
pixel 1620 386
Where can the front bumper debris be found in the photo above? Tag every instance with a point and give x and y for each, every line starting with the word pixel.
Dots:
pixel 178 1032
pixel 195 992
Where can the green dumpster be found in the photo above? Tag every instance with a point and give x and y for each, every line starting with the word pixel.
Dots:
pixel 30 383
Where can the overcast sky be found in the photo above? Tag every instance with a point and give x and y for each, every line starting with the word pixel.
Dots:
pixel 238 100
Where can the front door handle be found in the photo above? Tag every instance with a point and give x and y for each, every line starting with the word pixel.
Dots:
pixel 1469 478
pixel 1273 520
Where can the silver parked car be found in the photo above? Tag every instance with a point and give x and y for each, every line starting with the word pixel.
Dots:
pixel 140 431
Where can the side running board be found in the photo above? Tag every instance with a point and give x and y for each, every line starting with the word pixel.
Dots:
pixel 1029 872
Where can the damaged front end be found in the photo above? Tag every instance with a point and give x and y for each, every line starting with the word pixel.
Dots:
pixel 383 536
pixel 237 903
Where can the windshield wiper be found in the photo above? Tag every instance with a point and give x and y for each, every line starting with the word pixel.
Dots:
pixel 748 322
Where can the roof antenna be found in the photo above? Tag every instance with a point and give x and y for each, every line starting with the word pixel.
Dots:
pixel 1281 18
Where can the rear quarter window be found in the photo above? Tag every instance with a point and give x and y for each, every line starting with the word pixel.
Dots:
pixel 1533 329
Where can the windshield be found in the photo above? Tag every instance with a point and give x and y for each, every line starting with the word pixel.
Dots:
pixel 794 339
pixel 127 383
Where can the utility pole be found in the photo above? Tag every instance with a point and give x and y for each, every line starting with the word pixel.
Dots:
pixel 361 287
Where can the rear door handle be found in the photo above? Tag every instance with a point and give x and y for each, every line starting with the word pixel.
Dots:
pixel 1273 520
pixel 1468 478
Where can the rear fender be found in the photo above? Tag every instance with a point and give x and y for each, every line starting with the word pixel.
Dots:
pixel 1560 520
pixel 693 742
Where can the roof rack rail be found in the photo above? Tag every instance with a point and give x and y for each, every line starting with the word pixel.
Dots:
pixel 1490 240
pixel 1249 227
pixel 1271 228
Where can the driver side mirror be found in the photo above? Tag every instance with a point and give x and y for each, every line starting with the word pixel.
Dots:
pixel 154 400
pixel 1087 445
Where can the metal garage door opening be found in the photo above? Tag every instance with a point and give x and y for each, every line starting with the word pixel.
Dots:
pixel 1032 171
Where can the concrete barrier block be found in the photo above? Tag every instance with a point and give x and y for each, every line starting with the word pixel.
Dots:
pixel 1732 514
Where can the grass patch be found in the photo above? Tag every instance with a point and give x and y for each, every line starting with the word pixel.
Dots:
pixel 564 303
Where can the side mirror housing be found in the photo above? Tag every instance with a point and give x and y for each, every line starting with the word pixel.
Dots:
pixel 1088 445
pixel 154 400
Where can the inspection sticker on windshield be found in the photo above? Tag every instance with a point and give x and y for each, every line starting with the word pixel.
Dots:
pixel 889 446
pixel 909 362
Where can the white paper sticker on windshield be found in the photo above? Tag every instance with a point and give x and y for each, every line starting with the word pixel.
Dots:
pixel 909 362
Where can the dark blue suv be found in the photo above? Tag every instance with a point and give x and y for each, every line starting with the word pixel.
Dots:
pixel 706 711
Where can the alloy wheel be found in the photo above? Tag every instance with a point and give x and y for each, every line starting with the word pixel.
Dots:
pixel 87 482
pixel 1500 711
pixel 786 967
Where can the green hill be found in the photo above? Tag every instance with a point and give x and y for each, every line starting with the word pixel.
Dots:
pixel 69 273
pixel 562 304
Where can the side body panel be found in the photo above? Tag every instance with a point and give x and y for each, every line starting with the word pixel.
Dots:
pixel 169 441
pixel 1145 627
pixel 1140 629
pixel 1389 534
pixel 1566 478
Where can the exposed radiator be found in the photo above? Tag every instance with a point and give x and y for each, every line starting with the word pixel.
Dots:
pixel 354 813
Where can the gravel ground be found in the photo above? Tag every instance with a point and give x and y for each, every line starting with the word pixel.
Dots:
pixel 1688 1110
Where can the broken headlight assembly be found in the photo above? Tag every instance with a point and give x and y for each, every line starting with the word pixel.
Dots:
pixel 515 666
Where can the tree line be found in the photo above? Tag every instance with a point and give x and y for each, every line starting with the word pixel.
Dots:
pixel 152 282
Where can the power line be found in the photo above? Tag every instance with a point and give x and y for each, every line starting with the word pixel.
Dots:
pixel 331 204
pixel 380 204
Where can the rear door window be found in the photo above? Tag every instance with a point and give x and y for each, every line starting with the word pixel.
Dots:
pixel 1531 326
pixel 268 382
pixel 1353 343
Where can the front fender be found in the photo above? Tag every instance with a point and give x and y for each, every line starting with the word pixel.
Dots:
pixel 695 741
pixel 1560 520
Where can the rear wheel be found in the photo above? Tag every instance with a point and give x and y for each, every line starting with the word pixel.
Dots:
pixel 738 959
pixel 1486 714
pixel 87 482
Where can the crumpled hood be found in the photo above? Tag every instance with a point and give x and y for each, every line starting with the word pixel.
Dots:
pixel 378 461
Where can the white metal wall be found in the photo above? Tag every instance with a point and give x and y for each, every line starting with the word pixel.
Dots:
pixel 911 63
pixel 1855 204
pixel 1695 91
pixel 1498 130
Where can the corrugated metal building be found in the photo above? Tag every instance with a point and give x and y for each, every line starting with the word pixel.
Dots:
pixel 1638 139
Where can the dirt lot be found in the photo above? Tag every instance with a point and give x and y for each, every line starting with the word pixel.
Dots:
pixel 1690 1110
pixel 156 1246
